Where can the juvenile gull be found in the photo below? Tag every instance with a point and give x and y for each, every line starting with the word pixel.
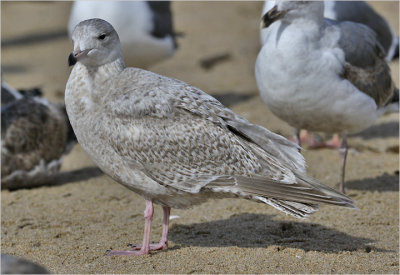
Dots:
pixel 359 12
pixel 145 27
pixel 322 75
pixel 174 144
pixel 35 136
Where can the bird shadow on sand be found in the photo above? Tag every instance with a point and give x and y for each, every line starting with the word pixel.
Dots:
pixel 82 174
pixel 385 182
pixel 382 130
pixel 259 230
pixel 29 39
pixel 60 178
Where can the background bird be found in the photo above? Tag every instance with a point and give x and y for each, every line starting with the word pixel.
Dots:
pixel 359 12
pixel 174 144
pixel 322 75
pixel 15 265
pixel 145 27
pixel 35 135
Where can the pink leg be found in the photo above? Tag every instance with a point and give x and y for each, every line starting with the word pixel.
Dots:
pixel 334 143
pixel 303 137
pixel 343 153
pixel 145 248
pixel 163 244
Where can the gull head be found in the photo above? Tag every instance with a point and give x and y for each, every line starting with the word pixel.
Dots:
pixel 95 43
pixel 290 10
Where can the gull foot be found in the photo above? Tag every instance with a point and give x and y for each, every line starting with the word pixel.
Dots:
pixel 126 252
pixel 153 246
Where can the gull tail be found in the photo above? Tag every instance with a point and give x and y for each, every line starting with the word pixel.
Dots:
pixel 306 191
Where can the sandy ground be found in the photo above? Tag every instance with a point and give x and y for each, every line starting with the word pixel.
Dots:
pixel 69 226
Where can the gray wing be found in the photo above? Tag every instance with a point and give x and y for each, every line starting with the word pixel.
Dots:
pixel 187 140
pixel 365 66
pixel 361 12
pixel 167 94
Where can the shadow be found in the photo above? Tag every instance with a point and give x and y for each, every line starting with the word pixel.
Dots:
pixel 34 38
pixel 382 130
pixel 60 178
pixel 258 230
pixel 13 69
pixel 209 62
pixel 82 174
pixel 385 182
pixel 230 98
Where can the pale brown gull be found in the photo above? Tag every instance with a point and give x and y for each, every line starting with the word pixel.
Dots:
pixel 174 144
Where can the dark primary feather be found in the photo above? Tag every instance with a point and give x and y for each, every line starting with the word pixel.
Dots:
pixel 365 66
pixel 162 19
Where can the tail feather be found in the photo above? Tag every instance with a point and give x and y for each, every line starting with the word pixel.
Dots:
pixel 306 190
pixel 298 210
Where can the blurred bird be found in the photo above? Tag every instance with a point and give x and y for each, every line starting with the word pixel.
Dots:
pixel 35 135
pixel 174 144
pixel 359 12
pixel 145 27
pixel 15 265
pixel 320 74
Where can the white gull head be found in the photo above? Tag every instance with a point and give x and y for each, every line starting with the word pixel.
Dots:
pixel 95 43
pixel 288 11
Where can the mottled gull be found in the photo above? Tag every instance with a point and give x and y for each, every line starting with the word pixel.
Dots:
pixel 144 27
pixel 359 12
pixel 35 136
pixel 322 75
pixel 174 144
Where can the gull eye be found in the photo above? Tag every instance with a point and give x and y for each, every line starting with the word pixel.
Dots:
pixel 101 36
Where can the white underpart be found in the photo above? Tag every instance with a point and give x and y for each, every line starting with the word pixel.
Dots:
pixel 304 87
pixel 133 21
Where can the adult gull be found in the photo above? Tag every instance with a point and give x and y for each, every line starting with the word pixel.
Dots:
pixel 145 27
pixel 359 12
pixel 174 144
pixel 322 75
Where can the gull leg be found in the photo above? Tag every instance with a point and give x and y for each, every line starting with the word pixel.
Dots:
pixel 309 139
pixel 343 153
pixel 144 248
pixel 163 244
pixel 334 143
pixel 296 138
pixel 302 137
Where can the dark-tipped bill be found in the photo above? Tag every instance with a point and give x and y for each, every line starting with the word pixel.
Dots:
pixel 270 17
pixel 72 59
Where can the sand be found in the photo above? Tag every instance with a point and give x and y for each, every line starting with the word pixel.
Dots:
pixel 69 226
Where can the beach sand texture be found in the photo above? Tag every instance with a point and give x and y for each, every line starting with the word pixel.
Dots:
pixel 67 227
